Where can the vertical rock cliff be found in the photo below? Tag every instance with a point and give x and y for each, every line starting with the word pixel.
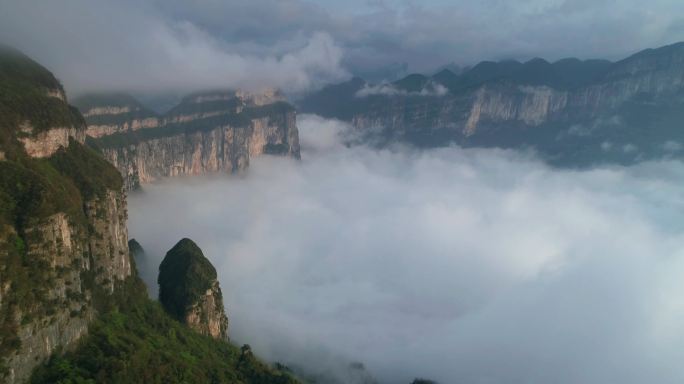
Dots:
pixel 207 132
pixel 189 290
pixel 63 237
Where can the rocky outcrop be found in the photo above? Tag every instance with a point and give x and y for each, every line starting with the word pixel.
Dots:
pixel 46 143
pixel 527 104
pixel 189 290
pixel 99 130
pixel 266 97
pixel 206 316
pixel 207 132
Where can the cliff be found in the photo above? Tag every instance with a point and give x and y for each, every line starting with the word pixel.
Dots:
pixel 207 132
pixel 189 290
pixel 63 236
pixel 571 111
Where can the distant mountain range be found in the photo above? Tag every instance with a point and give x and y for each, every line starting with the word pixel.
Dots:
pixel 573 112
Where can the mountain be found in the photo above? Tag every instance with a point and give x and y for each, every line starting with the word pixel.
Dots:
pixel 210 131
pixel 337 101
pixel 63 237
pixel 72 307
pixel 189 290
pixel 572 112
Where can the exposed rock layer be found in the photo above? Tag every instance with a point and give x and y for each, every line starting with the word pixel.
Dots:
pixel 208 132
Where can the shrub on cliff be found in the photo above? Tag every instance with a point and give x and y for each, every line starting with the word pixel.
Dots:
pixel 141 343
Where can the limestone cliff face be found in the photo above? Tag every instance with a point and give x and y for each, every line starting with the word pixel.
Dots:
pixel 99 130
pixel 207 316
pixel 46 143
pixel 63 237
pixel 60 313
pixel 108 114
pixel 527 104
pixel 189 290
pixel 75 260
pixel 107 216
pixel 208 132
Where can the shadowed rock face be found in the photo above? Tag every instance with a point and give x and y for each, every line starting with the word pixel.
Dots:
pixel 206 132
pixel 189 290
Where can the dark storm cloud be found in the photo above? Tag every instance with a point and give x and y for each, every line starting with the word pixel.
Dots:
pixel 464 266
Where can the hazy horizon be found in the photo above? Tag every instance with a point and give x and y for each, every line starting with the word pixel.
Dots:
pixel 156 46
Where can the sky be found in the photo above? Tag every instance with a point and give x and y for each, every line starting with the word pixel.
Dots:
pixel 457 265
pixel 158 46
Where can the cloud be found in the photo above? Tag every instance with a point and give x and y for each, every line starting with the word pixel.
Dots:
pixel 672 146
pixel 134 46
pixel 386 89
pixel 153 45
pixel 460 265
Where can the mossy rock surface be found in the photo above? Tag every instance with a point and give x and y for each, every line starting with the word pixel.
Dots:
pixel 184 276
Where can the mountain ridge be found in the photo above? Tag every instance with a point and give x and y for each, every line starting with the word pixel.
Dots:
pixel 571 112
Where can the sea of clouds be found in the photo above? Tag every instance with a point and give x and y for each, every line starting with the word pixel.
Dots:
pixel 459 265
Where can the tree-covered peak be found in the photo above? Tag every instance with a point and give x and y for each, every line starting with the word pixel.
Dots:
pixel 184 276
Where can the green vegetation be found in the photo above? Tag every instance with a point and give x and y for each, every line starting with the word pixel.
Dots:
pixel 29 286
pixel 138 342
pixel 90 172
pixel 188 108
pixel 184 275
pixel 24 86
pixel 31 189
pixel 111 99
pixel 412 83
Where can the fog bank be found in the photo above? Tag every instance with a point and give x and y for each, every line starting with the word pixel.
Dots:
pixel 462 266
